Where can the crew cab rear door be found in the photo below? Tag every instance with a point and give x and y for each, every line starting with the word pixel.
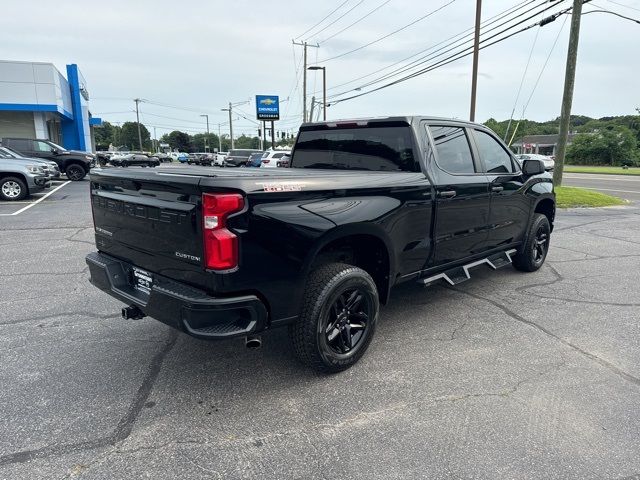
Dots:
pixel 509 212
pixel 462 195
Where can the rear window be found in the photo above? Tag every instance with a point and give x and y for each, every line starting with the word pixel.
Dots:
pixel 388 148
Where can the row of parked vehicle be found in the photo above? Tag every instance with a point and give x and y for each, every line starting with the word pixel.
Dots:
pixel 242 158
pixel 28 165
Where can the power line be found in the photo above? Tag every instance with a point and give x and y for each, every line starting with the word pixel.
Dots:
pixel 356 22
pixel 524 75
pixel 623 5
pixel 449 48
pixel 330 13
pixel 389 34
pixel 612 13
pixel 486 23
pixel 457 56
pixel 342 16
pixel 173 118
pixel 535 85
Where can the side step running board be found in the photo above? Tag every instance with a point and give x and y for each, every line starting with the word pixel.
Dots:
pixel 461 274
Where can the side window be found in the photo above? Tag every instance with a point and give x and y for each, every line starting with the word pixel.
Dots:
pixel 495 158
pixel 21 145
pixel 41 147
pixel 454 153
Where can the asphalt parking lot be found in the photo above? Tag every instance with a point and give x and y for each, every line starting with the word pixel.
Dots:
pixel 509 375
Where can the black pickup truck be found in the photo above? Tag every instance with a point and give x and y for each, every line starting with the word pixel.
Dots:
pixel 317 247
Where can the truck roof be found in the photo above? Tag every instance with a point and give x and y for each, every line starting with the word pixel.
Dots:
pixel 409 119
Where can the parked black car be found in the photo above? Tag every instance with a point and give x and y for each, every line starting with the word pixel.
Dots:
pixel 366 205
pixel 74 164
pixel 134 159
pixel 239 157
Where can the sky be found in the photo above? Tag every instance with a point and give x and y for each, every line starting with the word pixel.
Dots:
pixel 200 55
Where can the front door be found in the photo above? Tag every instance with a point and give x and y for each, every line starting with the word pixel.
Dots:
pixel 509 206
pixel 462 197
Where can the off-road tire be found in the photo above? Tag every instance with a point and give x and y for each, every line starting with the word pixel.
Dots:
pixel 532 254
pixel 308 334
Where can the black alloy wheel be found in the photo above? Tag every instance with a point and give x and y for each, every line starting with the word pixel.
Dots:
pixel 533 251
pixel 540 244
pixel 348 320
pixel 338 317
pixel 75 172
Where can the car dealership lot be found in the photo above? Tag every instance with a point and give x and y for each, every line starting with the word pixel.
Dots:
pixel 509 375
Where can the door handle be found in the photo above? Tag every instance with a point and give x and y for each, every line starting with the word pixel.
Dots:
pixel 447 194
pixel 497 189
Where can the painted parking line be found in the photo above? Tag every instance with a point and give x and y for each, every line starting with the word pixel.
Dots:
pixel 36 202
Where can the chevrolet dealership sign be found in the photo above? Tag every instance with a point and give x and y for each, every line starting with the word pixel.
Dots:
pixel 267 107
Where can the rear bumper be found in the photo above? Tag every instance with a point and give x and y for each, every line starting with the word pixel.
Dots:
pixel 178 305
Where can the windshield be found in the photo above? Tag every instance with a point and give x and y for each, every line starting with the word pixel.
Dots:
pixel 6 152
pixel 56 146
pixel 388 148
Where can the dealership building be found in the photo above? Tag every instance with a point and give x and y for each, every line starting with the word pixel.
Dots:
pixel 37 101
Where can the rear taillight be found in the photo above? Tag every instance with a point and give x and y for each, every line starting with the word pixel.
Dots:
pixel 220 244
pixel 266 161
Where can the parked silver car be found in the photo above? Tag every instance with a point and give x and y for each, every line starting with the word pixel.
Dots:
pixel 20 178
pixel 49 166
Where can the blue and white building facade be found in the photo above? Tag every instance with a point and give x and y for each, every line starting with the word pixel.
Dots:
pixel 37 101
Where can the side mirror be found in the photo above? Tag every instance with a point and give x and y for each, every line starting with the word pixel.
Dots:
pixel 55 150
pixel 532 167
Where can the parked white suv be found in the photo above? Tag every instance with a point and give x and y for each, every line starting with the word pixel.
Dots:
pixel 275 158
pixel 549 164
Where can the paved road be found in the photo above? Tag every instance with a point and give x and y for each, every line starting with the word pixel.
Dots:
pixel 624 186
pixel 509 375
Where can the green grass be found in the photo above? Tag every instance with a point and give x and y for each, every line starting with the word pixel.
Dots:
pixel 604 170
pixel 568 197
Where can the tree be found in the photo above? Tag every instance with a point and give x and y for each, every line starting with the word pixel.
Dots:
pixel 129 136
pixel 198 142
pixel 178 140
pixel 613 145
pixel 105 135
pixel 244 141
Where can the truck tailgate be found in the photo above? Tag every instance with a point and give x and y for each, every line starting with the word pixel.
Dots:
pixel 151 223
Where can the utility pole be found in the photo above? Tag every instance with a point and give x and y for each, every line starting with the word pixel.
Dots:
pixel 476 53
pixel 230 110
pixel 264 133
pixel 155 140
pixel 219 139
pixel 567 96
pixel 137 100
pixel 304 77
pixel 206 140
pixel 273 136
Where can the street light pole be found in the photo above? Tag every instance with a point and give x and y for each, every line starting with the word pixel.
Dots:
pixel 230 110
pixel 137 100
pixel 219 139
pixel 324 90
pixel 206 141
